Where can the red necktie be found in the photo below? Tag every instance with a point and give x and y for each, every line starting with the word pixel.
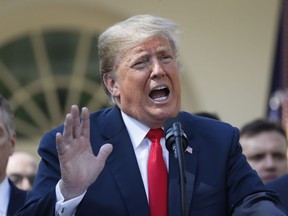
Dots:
pixel 157 175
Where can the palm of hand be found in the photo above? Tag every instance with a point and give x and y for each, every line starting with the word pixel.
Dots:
pixel 79 166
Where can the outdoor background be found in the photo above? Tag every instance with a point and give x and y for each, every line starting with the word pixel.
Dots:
pixel 48 56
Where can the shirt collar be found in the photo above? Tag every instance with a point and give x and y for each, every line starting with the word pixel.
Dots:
pixel 137 131
pixel 4 195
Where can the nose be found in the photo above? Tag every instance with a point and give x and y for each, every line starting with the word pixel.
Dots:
pixel 157 69
pixel 25 184
pixel 269 162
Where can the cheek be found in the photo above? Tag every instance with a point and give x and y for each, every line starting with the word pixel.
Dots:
pixel 6 146
pixel 283 164
pixel 5 150
pixel 256 165
pixel 130 94
pixel 176 79
pixel 3 144
pixel 134 85
pixel 5 153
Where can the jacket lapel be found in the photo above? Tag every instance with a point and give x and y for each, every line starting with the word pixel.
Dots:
pixel 190 155
pixel 124 167
pixel 123 164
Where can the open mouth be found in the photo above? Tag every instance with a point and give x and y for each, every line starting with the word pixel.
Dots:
pixel 159 93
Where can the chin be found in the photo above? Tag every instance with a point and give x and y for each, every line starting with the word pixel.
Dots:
pixel 166 113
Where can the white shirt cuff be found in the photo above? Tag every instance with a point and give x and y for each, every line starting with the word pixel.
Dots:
pixel 68 207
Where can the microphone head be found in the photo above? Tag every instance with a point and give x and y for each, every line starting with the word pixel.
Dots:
pixel 169 123
pixel 171 126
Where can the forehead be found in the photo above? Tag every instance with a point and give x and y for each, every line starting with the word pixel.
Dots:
pixel 158 44
pixel 21 166
pixel 265 142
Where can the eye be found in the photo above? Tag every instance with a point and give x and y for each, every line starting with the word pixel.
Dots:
pixel 279 156
pixel 166 58
pixel 141 63
pixel 256 157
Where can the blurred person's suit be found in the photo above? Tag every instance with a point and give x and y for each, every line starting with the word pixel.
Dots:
pixel 281 186
pixel 17 199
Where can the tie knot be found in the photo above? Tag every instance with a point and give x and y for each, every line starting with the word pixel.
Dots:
pixel 155 134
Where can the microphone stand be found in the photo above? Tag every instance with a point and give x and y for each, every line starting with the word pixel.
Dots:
pixel 179 155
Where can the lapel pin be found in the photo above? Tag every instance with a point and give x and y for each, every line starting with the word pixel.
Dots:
pixel 189 150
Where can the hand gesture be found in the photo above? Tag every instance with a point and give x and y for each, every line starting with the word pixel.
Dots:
pixel 79 166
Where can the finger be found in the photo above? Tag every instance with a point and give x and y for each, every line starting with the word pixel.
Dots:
pixel 76 121
pixel 59 143
pixel 68 128
pixel 85 125
pixel 103 154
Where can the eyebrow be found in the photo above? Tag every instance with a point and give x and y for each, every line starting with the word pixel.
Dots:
pixel 139 55
pixel 144 53
pixel 163 49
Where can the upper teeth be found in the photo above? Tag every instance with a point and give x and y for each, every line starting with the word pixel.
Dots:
pixel 160 87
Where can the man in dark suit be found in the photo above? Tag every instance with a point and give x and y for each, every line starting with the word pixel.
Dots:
pixel 11 198
pixel 140 71
pixel 280 185
pixel 265 145
pixel 17 199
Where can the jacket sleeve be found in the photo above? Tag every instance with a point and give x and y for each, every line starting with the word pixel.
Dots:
pixel 261 203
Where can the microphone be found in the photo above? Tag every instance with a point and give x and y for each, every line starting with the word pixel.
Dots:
pixel 176 141
pixel 174 134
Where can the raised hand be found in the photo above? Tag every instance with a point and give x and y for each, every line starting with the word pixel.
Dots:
pixel 79 166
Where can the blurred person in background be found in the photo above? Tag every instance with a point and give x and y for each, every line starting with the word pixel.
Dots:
pixel 11 198
pixel 22 169
pixel 265 145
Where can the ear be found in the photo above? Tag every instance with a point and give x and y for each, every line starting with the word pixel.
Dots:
pixel 111 84
pixel 12 143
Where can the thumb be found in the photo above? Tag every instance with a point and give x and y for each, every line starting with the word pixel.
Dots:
pixel 103 154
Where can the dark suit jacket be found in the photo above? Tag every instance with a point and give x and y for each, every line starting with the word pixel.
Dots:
pixel 17 199
pixel 280 185
pixel 218 176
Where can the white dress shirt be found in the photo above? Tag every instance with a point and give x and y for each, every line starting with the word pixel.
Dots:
pixel 4 196
pixel 137 132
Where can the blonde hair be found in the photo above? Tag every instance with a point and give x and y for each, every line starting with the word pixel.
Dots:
pixel 129 33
